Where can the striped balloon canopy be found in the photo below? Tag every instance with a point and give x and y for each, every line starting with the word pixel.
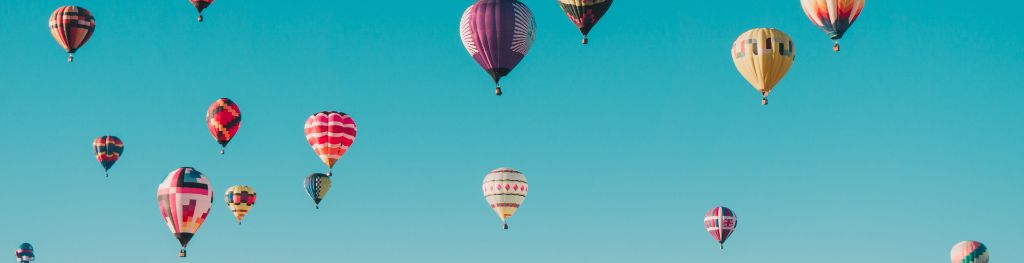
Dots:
pixel 72 26
pixel 498 34
pixel 223 119
pixel 25 253
pixel 240 199
pixel 833 16
pixel 720 223
pixel 585 13
pixel 969 252
pixel 108 150
pixel 330 133
pixel 317 185
pixel 185 198
pixel 505 190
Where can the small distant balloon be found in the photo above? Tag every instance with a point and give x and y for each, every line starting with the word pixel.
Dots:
pixel 108 150
pixel 25 253
pixel 240 199
pixel 72 26
pixel 505 190
pixel 720 223
pixel 317 185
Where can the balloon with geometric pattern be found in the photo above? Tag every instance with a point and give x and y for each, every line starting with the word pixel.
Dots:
pixel 185 198
pixel 720 223
pixel 25 253
pixel 223 119
pixel 108 150
pixel 317 185
pixel 833 16
pixel 72 26
pixel 969 252
pixel 330 133
pixel 763 56
pixel 200 6
pixel 497 34
pixel 240 199
pixel 585 13
pixel 505 190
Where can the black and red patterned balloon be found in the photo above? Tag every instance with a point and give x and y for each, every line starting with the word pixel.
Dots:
pixel 71 26
pixel 223 118
pixel 585 13
pixel 108 150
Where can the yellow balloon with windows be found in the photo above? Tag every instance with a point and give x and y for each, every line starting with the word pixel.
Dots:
pixel 763 56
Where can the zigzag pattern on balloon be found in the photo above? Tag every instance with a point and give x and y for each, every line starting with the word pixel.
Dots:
pixel 223 119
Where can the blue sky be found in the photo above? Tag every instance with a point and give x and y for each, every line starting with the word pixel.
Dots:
pixel 895 149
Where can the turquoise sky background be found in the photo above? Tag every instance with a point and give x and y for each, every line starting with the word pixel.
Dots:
pixel 891 151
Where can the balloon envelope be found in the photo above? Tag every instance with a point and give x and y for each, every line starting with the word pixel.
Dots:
pixel 833 16
pixel 330 133
pixel 108 150
pixel 505 190
pixel 72 26
pixel 25 253
pixel 763 56
pixel 240 199
pixel 317 185
pixel 720 223
pixel 185 197
pixel 200 6
pixel 585 13
pixel 223 118
pixel 497 34
pixel 969 252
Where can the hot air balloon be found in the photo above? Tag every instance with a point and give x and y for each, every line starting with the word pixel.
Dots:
pixel 763 56
pixel 505 190
pixel 720 222
pixel 200 5
pixel 585 13
pixel 330 133
pixel 71 26
pixel 223 118
pixel 317 186
pixel 498 34
pixel 240 199
pixel 833 16
pixel 969 252
pixel 185 198
pixel 24 253
pixel 108 149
